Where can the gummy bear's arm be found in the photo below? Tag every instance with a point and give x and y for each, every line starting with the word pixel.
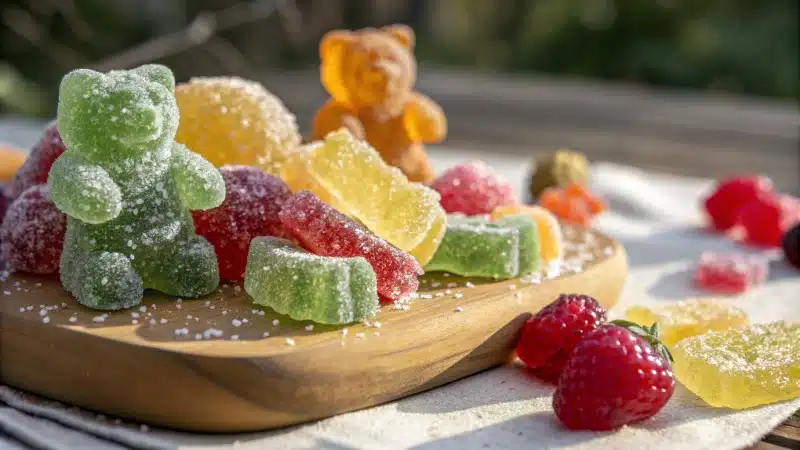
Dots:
pixel 333 116
pixel 424 120
pixel 83 190
pixel 200 185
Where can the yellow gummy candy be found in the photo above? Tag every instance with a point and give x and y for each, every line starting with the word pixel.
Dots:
pixel 741 368
pixel 689 318
pixel 352 177
pixel 230 120
pixel 551 246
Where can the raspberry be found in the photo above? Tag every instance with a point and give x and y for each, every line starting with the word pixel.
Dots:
pixel 729 273
pixel 557 328
pixel 730 195
pixel 473 188
pixel 552 368
pixel 37 165
pixel 765 219
pixel 32 233
pixel 618 374
pixel 791 246
pixel 253 200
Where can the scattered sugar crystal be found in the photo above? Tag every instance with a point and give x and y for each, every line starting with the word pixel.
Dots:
pixel 310 327
pixel 163 321
pixel 134 321
pixel 448 291
pixel 458 295
pixel 46 319
pixel 512 287
pixel 207 302
pixel 360 335
pixel 7 292
pixel 435 284
pixel 265 334
pixel 22 309
pixel 225 312
pixel 29 308
pixel 452 284
pixel 344 332
pixel 440 294
pixel 236 322
pixel 144 428
pixel 469 284
pixel 260 313
pixel 376 333
pixel 99 319
pixel 276 322
pixel 135 315
pixel 235 337
pixel 143 308
pixel 237 289
pixel 459 309
pixel 244 320
pixel 73 319
pixel 198 336
pixel 377 325
pixel 289 341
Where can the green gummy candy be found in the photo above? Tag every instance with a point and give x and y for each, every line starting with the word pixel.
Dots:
pixel 305 286
pixel 477 247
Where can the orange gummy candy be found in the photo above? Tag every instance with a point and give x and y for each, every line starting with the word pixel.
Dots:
pixel 573 204
pixel 10 160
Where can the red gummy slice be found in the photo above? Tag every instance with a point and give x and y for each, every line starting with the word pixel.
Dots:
pixel 325 231
pixel 473 188
pixel 725 203
pixel 32 233
pixel 729 273
pixel 253 200
pixel 37 165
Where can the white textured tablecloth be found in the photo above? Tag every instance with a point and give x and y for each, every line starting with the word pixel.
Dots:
pixel 655 217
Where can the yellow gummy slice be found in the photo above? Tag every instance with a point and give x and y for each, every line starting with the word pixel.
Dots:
pixel 351 176
pixel 689 318
pixel 741 368
pixel 230 120
pixel 551 246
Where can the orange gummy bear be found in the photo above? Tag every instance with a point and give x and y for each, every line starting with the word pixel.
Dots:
pixel 370 74
pixel 573 204
pixel 10 160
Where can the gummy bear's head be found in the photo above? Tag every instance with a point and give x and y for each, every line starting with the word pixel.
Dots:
pixel 107 116
pixel 370 67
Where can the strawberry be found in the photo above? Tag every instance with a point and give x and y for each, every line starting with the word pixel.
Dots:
pixel 549 336
pixel 730 195
pixel 618 374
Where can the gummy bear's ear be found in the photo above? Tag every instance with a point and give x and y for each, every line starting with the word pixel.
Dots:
pixel 157 74
pixel 402 33
pixel 332 41
pixel 79 81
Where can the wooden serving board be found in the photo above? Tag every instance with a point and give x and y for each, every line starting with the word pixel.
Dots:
pixel 134 364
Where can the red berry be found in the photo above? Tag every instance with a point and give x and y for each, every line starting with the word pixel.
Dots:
pixel 730 195
pixel 552 368
pixel 253 200
pixel 32 233
pixel 558 327
pixel 37 165
pixel 616 375
pixel 326 231
pixel 764 220
pixel 473 188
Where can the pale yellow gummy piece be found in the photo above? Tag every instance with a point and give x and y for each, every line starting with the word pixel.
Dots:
pixel 689 318
pixel 743 367
pixel 350 175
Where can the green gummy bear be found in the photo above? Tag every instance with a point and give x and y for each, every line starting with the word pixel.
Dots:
pixel 127 189
pixel 477 247
pixel 305 286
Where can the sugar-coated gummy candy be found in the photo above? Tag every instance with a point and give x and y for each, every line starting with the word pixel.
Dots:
pixel 473 188
pixel 729 273
pixel 741 368
pixel 230 120
pixel 37 165
pixel 348 174
pixel 325 231
pixel 730 195
pixel 11 158
pixel 32 233
pixel 551 241
pixel 477 247
pixel 304 286
pixel 689 318
pixel 573 203
pixel 253 200
pixel 791 246
pixel 558 169
pixel 765 219
pixel 127 188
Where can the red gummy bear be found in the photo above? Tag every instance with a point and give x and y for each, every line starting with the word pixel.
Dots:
pixel 32 233
pixel 731 194
pixel 253 200
pixel 473 188
pixel 37 165
pixel 325 231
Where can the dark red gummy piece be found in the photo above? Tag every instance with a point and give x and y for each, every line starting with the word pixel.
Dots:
pixel 473 188
pixel 32 233
pixel 729 273
pixel 36 167
pixel 325 231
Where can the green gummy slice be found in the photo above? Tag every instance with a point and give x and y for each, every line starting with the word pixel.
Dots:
pixel 305 286
pixel 529 258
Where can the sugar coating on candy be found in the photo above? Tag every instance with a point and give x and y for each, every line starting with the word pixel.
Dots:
pixel 741 368
pixel 230 120
pixel 689 318
pixel 37 165
pixel 729 273
pixel 253 200
pixel 325 231
pixel 349 175
pixel 550 241
pixel 32 233
pixel 127 188
pixel 573 203
pixel 474 246
pixel 529 258
pixel 473 188
pixel 305 286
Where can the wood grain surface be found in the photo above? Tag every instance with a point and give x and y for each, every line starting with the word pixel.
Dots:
pixel 134 364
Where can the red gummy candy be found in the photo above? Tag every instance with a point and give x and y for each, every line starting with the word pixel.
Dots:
pixel 473 188
pixel 725 203
pixel 325 231
pixel 37 165
pixel 32 233
pixel 253 200
pixel 729 273
pixel 765 219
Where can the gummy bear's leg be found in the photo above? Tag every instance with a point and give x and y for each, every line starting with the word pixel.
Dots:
pixel 190 271
pixel 102 280
pixel 332 116
pixel 414 163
